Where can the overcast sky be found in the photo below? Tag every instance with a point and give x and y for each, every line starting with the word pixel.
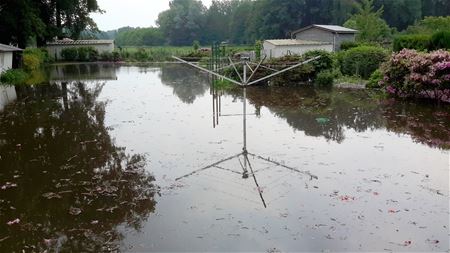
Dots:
pixel 119 13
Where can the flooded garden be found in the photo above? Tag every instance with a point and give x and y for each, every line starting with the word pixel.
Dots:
pixel 109 158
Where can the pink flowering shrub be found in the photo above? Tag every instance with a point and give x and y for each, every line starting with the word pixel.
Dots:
pixel 415 74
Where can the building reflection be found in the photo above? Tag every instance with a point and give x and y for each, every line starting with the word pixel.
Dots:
pixel 7 96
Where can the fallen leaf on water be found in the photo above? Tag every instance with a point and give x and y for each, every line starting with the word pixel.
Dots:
pixel 13 222
pixel 74 211
pixel 51 195
pixel 432 241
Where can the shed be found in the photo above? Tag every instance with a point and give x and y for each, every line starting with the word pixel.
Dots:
pixel 280 48
pixel 9 57
pixel 326 33
pixel 55 48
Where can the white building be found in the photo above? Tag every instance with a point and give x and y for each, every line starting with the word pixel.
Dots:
pixel 54 48
pixel 280 48
pixel 7 56
pixel 334 34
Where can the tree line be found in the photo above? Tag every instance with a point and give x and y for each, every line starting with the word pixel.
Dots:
pixel 235 21
pixel 244 21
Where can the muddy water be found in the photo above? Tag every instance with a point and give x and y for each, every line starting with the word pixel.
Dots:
pixel 138 159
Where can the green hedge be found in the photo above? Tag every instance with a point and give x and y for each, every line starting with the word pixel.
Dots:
pixel 82 54
pixel 418 42
pixel 362 61
pixel 440 40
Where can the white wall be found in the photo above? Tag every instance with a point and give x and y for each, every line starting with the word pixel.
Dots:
pixel 272 51
pixel 6 60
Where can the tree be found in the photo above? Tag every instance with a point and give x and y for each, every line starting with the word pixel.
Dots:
pixel 183 22
pixel 22 20
pixel 369 23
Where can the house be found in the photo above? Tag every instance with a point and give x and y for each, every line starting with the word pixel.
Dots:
pixel 326 33
pixel 9 57
pixel 280 48
pixel 55 48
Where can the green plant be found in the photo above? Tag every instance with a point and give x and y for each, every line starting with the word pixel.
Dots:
pixel 258 48
pixel 362 61
pixel 419 42
pixel 106 56
pixel 346 45
pixel 31 62
pixel 196 45
pixel 325 62
pixel 375 79
pixel 83 54
pixel 440 40
pixel 34 58
pixel 116 56
pixel 69 54
pixel 221 84
pixel 93 54
pixel 141 55
pixel 325 78
pixel 13 77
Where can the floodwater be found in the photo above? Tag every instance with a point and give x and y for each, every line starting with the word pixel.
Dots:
pixel 136 159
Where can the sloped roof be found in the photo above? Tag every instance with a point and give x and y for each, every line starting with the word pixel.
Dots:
pixel 329 28
pixel 288 42
pixel 79 42
pixel 7 48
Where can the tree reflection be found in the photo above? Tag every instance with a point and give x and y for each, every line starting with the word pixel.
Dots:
pixel 62 175
pixel 425 123
pixel 303 106
pixel 187 83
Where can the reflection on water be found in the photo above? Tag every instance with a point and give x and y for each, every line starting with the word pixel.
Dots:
pixel 7 95
pixel 187 83
pixel 83 72
pixel 64 183
pixel 281 169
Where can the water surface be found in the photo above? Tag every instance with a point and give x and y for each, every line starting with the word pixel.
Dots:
pixel 136 159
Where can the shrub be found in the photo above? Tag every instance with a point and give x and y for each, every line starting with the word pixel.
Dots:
pixel 31 62
pixel 362 61
pixel 325 62
pixel 69 54
pixel 116 56
pixel 416 74
pixel 440 40
pixel 106 56
pixel 346 45
pixel 418 42
pixel 141 55
pixel 83 54
pixel 375 79
pixel 13 77
pixel 33 58
pixel 196 45
pixel 325 78
pixel 93 54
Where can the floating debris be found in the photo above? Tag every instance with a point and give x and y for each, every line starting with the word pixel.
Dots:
pixel 13 222
pixel 75 211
